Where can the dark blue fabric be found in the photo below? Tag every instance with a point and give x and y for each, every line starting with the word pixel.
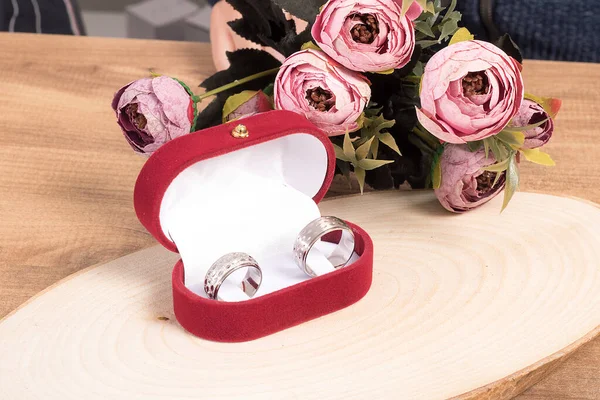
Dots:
pixel 567 30
pixel 543 29
pixel 53 16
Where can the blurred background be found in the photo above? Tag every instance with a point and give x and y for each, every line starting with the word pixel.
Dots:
pixel 148 19
pixel 160 19
pixel 544 29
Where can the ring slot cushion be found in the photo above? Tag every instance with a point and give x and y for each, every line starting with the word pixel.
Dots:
pixel 264 315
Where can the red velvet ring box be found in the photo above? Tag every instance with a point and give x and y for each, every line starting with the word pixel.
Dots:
pixel 213 192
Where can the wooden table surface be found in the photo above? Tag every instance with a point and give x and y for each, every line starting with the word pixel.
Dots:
pixel 67 174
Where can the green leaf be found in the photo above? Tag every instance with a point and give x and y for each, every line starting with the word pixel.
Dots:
pixel 374 148
pixel 385 72
pixel 436 175
pixel 413 79
pixel 497 179
pixel 424 28
pixel 374 126
pixel 486 148
pixel 310 45
pixel 498 167
pixel 430 7
pixel 448 28
pixel 450 9
pixel 348 148
pixel 369 164
pixel 363 149
pixel 525 127
pixel 512 180
pixel 437 5
pixel 360 177
pixel 419 70
pixel 418 142
pixel 264 23
pixel 427 43
pixel 498 149
pixel 474 146
pixel 233 102
pixel 512 138
pixel 387 139
pixel 339 153
pixel 537 156
pixel 372 111
pixel 461 35
pixel 268 90
pixel 427 26
pixel 360 121
pixel 427 138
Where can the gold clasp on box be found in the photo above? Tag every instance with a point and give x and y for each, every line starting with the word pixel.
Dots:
pixel 240 132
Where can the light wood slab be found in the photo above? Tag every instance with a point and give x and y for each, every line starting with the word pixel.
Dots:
pixel 476 306
pixel 67 175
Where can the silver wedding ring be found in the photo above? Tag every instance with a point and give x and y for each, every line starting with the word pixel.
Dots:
pixel 313 232
pixel 228 264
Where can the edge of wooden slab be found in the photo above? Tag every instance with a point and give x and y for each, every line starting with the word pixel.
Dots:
pixel 522 380
pixel 516 383
pixel 504 388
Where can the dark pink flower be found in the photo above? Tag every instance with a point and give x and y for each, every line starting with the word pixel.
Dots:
pixel 152 111
pixel 465 185
pixel 532 113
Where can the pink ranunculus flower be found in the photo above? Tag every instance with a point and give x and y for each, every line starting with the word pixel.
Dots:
pixel 532 113
pixel 470 91
pixel 152 111
pixel 325 92
pixel 465 185
pixel 367 35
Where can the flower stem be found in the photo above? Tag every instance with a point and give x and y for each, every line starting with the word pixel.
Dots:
pixel 235 83
pixel 427 138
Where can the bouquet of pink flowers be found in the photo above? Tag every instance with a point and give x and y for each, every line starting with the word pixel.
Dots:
pixel 405 95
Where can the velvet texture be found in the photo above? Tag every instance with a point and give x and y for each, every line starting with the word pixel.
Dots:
pixel 252 319
pixel 175 156
pixel 255 318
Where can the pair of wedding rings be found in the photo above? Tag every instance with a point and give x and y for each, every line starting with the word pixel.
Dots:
pixel 308 237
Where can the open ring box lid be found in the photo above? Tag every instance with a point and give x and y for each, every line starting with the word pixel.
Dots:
pixel 208 193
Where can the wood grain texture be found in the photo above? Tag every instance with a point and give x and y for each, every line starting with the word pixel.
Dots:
pixel 460 307
pixel 66 174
